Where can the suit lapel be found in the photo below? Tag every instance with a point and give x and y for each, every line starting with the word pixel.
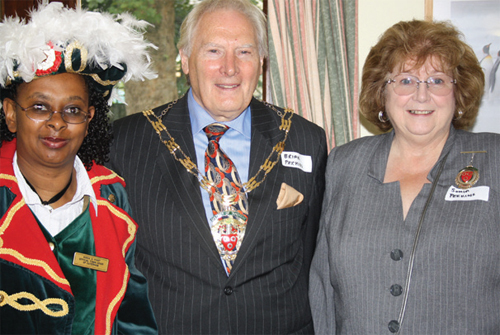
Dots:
pixel 261 201
pixel 185 187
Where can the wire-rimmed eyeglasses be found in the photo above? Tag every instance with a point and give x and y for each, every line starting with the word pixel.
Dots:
pixel 41 112
pixel 404 84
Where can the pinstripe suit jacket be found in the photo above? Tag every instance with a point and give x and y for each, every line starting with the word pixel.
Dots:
pixel 455 286
pixel 189 289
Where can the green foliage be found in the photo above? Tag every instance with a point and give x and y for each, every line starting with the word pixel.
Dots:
pixel 182 9
pixel 145 10
pixel 142 9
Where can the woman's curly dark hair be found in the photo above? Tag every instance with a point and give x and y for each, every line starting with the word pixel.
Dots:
pixel 11 93
pixel 95 146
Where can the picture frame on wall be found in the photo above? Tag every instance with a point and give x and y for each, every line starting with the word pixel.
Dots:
pixel 479 21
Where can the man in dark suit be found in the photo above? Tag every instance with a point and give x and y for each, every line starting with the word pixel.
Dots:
pixel 226 233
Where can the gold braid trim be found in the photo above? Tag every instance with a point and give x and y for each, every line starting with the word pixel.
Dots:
pixel 116 300
pixel 12 299
pixel 34 262
pixel 131 230
pixel 68 55
pixel 18 255
pixel 8 177
pixel 8 218
pixel 103 82
pixel 130 224
pixel 108 177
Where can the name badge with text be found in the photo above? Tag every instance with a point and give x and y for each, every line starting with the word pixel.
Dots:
pixel 296 160
pixel 470 194
pixel 90 262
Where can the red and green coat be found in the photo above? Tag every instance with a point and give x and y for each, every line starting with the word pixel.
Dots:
pixel 35 295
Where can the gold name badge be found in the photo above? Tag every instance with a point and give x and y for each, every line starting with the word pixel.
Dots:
pixel 90 262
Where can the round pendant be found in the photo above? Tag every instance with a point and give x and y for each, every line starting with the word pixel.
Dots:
pixel 467 177
pixel 228 230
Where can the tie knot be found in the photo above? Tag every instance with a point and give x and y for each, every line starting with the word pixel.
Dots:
pixel 215 131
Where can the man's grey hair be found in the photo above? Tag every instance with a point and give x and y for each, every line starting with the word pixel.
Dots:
pixel 245 7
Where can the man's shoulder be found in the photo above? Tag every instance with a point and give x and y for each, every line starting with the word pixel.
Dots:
pixel 171 112
pixel 297 120
pixel 138 117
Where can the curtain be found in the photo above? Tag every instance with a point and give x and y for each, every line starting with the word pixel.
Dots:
pixel 313 63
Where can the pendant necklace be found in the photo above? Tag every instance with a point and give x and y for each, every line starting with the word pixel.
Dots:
pixel 228 226
pixel 469 175
pixel 181 157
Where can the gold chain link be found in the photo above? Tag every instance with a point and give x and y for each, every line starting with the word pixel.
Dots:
pixel 254 182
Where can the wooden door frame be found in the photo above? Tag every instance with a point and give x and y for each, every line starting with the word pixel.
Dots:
pixel 21 7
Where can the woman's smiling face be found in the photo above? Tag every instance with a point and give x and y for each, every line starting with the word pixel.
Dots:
pixel 421 113
pixel 51 143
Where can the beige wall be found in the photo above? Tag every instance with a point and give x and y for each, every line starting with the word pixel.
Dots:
pixel 374 17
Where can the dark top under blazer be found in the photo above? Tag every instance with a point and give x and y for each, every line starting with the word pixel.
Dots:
pixel 189 289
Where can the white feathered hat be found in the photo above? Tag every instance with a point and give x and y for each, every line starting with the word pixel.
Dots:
pixel 56 39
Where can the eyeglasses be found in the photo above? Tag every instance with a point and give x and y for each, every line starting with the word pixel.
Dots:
pixel 439 84
pixel 41 112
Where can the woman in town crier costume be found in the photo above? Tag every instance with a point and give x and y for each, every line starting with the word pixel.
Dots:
pixel 67 241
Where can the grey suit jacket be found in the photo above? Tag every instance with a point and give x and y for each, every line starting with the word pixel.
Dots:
pixel 364 245
pixel 189 289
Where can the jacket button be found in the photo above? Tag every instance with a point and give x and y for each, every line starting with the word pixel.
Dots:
pixel 396 255
pixel 112 198
pixel 393 326
pixel 228 290
pixel 396 290
pixel 51 246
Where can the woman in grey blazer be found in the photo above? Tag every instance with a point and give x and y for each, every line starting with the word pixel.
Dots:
pixel 409 237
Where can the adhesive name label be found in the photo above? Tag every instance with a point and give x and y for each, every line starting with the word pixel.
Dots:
pixel 296 160
pixel 469 194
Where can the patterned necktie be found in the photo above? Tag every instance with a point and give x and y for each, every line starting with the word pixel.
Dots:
pixel 227 197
